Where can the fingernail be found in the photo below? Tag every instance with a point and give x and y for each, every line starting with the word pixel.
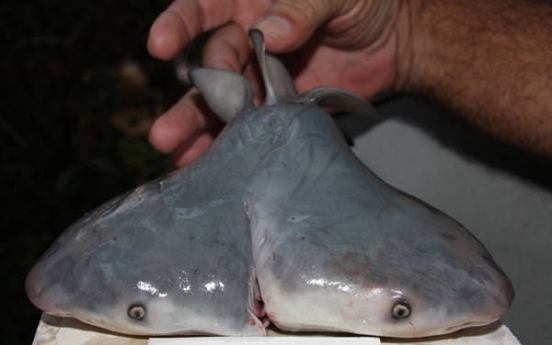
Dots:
pixel 274 26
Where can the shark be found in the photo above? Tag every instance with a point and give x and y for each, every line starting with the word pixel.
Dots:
pixel 276 222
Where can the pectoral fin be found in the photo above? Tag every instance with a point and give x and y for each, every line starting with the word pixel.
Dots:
pixel 225 92
pixel 339 99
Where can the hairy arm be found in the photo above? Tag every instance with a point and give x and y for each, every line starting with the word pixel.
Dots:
pixel 491 61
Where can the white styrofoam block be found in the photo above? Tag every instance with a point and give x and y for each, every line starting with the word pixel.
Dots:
pixel 54 330
pixel 66 331
pixel 495 334
pixel 283 340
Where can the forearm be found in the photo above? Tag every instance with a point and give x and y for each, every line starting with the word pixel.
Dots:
pixel 489 60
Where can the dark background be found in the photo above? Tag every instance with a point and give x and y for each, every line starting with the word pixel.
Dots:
pixel 79 92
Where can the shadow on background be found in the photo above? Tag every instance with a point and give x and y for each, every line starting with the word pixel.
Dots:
pixel 454 134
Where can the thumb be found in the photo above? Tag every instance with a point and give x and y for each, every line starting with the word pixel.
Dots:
pixel 288 24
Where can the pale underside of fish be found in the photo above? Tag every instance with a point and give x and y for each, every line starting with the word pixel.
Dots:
pixel 276 222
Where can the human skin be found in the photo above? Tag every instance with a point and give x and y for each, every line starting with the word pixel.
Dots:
pixel 488 60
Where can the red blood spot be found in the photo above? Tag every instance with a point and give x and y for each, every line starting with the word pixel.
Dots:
pixel 114 238
pixel 302 238
pixel 259 308
pixel 251 322
pixel 450 237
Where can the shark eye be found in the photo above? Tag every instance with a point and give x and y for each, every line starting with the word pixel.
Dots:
pixel 401 310
pixel 136 311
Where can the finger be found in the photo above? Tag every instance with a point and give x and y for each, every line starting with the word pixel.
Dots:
pixel 189 151
pixel 186 118
pixel 228 48
pixel 182 21
pixel 288 24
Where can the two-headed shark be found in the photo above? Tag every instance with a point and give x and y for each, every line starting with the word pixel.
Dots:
pixel 276 222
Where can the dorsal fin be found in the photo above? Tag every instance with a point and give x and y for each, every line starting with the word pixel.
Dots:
pixel 278 83
pixel 225 92
pixel 339 99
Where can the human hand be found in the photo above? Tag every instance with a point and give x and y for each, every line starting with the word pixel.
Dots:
pixel 347 44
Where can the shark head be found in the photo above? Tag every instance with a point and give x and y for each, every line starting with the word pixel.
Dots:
pixel 438 279
pixel 144 263
pixel 354 254
pixel 88 272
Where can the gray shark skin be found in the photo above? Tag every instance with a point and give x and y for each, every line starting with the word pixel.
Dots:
pixel 277 221
pixel 171 249
pixel 337 249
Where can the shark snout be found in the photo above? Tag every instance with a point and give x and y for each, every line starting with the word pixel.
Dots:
pixel 505 293
pixel 44 291
pixel 34 287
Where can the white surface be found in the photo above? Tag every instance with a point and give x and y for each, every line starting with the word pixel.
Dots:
pixel 296 340
pixel 65 331
pixel 53 330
